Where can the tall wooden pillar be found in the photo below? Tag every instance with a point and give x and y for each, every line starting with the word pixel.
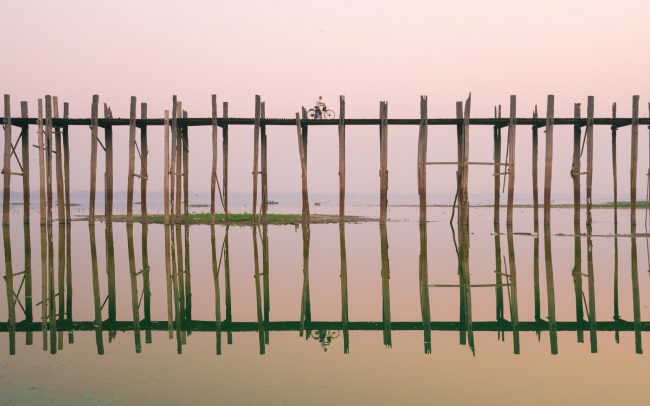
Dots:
pixel 303 170
pixel 575 167
pixel 590 154
pixel 512 128
pixel 225 160
pixel 263 163
pixel 41 166
pixel 256 147
pixel 614 174
pixel 130 180
pixel 48 155
pixel 422 159
pixel 108 174
pixel 60 198
pixel 341 158
pixel 548 159
pixel 465 162
pixel 94 129
pixel 66 162
pixel 497 167
pixel 383 161
pixel 6 163
pixel 535 170
pixel 634 157
pixel 144 173
pixel 213 173
pixel 25 157
pixel 166 169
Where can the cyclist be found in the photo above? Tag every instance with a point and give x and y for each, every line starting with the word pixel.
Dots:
pixel 320 103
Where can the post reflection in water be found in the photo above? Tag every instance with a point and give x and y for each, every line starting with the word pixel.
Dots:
pixel 385 286
pixel 425 306
pixel 344 289
pixel 96 295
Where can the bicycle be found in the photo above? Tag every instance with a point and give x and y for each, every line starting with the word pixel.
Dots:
pixel 324 113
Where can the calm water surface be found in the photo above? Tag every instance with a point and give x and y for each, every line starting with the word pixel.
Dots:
pixel 354 314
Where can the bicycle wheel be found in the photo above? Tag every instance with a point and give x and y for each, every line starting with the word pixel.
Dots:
pixel 330 114
pixel 311 113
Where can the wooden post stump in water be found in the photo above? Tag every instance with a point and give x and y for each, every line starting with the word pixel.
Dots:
pixel 383 161
pixel 341 158
pixel 634 157
pixel 6 167
pixel 575 167
pixel 422 159
pixel 130 180
pixel 94 129
pixel 144 174
pixel 548 159
pixel 512 128
pixel 25 157
pixel 590 154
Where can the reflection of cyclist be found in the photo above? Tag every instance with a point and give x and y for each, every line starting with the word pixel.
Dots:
pixel 320 103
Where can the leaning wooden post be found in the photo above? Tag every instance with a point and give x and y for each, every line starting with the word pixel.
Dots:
pixel 263 163
pixel 108 174
pixel 535 162
pixel 256 147
pixel 224 148
pixel 341 157
pixel 634 157
pixel 548 157
pixel 25 157
pixel 303 170
pixel 465 171
pixel 41 164
pixel 66 162
pixel 144 152
pixel 60 198
pixel 7 163
pixel 213 173
pixel 575 167
pixel 497 167
pixel 512 127
pixel 48 156
pixel 129 187
pixel 590 154
pixel 94 127
pixel 166 168
pixel 422 159
pixel 383 161
pixel 615 176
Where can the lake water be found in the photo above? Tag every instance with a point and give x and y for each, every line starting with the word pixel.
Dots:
pixel 331 314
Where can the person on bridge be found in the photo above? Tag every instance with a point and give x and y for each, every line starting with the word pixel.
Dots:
pixel 319 107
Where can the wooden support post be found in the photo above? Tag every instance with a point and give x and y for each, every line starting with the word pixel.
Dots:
pixel 224 176
pixel 172 169
pixel 422 159
pixel 25 157
pixel 497 168
pixel 575 167
pixel 48 156
pixel 465 170
pixel 615 176
pixel 264 166
pixel 303 170
pixel 144 173
pixel 634 157
pixel 459 170
pixel 66 164
pixel 130 180
pixel 7 163
pixel 256 147
pixel 341 158
pixel 41 165
pixel 213 173
pixel 60 198
pixel 166 169
pixel 548 158
pixel 179 161
pixel 94 128
pixel 108 174
pixel 305 133
pixel 590 153
pixel 512 128
pixel 535 171
pixel 186 169
pixel 383 161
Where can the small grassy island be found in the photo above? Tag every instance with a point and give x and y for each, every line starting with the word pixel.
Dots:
pixel 239 218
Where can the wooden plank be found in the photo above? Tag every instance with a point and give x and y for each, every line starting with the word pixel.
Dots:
pixel 422 159
pixel 6 190
pixel 94 129
pixel 41 164
pixel 341 157
pixel 263 163
pixel 25 158
pixel 303 170
pixel 512 128
pixel 535 142
pixel 48 155
pixel 108 174
pixel 548 157
pixel 590 154
pixel 256 147
pixel 60 198
pixel 224 148
pixel 575 167
pixel 66 164
pixel 614 174
pixel 634 157
pixel 213 173
pixel 144 173
pixel 497 165
pixel 383 161
pixel 130 180
pixel 166 172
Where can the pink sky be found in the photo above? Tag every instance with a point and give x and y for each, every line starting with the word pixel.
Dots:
pixel 290 52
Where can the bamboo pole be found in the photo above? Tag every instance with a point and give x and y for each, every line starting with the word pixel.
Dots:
pixel 256 147
pixel 422 159
pixel 48 155
pixel 130 180
pixel 590 154
pixel 41 163
pixel 497 168
pixel 224 147
pixel 7 163
pixel 166 169
pixel 213 174
pixel 25 157
pixel 535 142
pixel 144 173
pixel 575 167
pixel 60 198
pixel 94 128
pixel 341 158
pixel 512 128
pixel 383 161
pixel 548 159
pixel 634 157
pixel 264 167
pixel 66 162
pixel 108 174
pixel 303 169
pixel 614 174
